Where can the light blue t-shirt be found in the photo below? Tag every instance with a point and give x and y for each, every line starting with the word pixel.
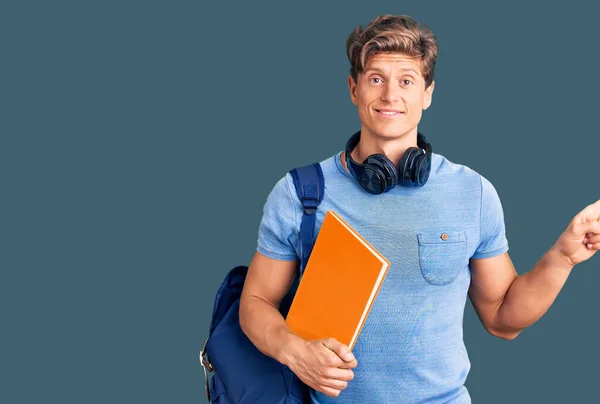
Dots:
pixel 411 346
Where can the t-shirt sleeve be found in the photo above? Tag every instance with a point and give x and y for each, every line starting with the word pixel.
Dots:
pixel 493 233
pixel 277 233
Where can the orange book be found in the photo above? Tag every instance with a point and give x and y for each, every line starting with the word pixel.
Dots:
pixel 340 283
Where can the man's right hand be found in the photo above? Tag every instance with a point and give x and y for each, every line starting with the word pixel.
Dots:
pixel 323 365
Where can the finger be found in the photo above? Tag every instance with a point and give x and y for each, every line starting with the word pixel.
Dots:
pixel 334 384
pixel 329 391
pixel 592 239
pixel 342 350
pixel 341 374
pixel 595 246
pixel 590 213
pixel 580 229
pixel 349 365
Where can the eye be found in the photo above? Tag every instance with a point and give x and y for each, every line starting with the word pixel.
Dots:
pixel 375 80
pixel 406 82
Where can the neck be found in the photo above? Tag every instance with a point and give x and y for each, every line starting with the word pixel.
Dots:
pixel 392 147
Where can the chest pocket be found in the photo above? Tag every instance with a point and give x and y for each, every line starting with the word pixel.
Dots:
pixel 442 255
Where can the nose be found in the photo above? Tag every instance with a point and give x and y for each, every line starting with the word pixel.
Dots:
pixel 390 92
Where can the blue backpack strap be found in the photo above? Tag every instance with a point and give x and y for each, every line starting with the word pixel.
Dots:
pixel 310 187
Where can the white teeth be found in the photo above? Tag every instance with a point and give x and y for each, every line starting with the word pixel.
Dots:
pixel 389 112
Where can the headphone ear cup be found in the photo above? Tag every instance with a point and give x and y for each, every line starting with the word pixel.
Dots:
pixel 423 169
pixel 408 164
pixel 377 175
pixel 390 173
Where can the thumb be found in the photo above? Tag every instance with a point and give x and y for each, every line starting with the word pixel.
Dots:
pixel 343 351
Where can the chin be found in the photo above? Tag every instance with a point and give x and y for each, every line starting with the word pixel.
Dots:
pixel 390 133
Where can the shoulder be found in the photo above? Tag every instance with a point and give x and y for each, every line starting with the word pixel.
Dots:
pixel 284 191
pixel 462 179
pixel 331 169
pixel 446 170
pixel 441 165
pixel 283 188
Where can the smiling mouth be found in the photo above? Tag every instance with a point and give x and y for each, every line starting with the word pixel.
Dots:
pixel 389 112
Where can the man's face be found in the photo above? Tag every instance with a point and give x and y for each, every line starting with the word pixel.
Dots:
pixel 390 95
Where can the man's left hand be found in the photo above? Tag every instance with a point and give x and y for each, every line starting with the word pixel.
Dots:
pixel 581 239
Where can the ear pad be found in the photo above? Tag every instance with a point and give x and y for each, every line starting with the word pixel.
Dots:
pixel 424 168
pixel 410 165
pixel 379 174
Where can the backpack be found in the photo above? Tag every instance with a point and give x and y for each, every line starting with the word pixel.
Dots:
pixel 240 372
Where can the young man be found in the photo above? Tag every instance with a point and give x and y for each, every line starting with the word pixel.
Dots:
pixel 441 226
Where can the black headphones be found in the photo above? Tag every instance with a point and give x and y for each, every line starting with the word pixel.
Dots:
pixel 377 174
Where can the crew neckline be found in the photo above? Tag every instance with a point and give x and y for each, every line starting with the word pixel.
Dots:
pixel 340 166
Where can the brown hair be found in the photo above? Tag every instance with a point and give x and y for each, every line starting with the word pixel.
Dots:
pixel 393 33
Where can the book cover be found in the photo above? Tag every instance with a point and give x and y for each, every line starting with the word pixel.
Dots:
pixel 340 283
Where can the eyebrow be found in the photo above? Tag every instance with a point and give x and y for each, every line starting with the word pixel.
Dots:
pixel 404 69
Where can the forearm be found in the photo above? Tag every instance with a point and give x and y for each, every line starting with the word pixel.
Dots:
pixel 266 328
pixel 531 294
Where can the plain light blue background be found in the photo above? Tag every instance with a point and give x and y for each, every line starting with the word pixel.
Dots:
pixel 140 140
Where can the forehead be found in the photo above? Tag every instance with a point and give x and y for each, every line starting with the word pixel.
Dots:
pixel 393 62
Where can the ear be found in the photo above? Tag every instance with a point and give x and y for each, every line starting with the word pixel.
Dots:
pixel 352 87
pixel 428 95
